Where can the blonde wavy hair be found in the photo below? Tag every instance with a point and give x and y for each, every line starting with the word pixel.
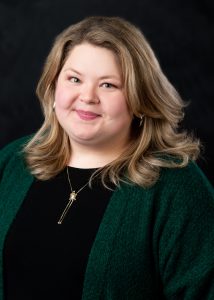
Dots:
pixel 157 143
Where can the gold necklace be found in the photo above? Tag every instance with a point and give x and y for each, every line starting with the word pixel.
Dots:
pixel 72 198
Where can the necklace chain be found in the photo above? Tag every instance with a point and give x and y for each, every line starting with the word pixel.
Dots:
pixel 72 198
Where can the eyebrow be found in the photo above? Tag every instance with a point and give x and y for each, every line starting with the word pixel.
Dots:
pixel 102 77
pixel 71 69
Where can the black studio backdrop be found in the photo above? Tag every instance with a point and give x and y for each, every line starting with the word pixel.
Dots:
pixel 180 32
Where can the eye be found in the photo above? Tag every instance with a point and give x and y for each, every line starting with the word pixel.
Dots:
pixel 108 85
pixel 74 79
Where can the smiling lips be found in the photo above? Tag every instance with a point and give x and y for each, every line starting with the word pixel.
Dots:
pixel 87 115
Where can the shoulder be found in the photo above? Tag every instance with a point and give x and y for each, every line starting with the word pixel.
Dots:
pixel 189 179
pixel 178 185
pixel 12 150
pixel 15 145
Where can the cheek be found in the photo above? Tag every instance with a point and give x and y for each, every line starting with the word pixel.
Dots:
pixel 63 98
pixel 118 108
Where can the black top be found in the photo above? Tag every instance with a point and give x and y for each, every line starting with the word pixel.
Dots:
pixel 45 260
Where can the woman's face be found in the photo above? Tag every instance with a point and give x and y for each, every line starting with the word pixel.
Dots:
pixel 90 99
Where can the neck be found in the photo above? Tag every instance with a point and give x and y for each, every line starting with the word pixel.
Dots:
pixel 89 157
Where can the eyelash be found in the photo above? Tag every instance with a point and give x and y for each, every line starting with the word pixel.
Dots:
pixel 110 85
pixel 74 79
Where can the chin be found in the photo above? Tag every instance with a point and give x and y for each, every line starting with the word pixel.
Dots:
pixel 83 139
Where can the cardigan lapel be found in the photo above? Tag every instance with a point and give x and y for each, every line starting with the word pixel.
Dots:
pixel 14 186
pixel 102 246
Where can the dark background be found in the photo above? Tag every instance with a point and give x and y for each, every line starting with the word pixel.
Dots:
pixel 180 32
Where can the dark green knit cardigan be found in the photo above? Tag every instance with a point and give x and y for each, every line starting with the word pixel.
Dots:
pixel 155 243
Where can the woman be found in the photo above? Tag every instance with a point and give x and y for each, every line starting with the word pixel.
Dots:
pixel 105 200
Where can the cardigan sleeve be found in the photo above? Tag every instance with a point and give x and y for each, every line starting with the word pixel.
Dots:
pixel 186 242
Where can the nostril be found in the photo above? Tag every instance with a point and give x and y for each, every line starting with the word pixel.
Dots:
pixel 90 100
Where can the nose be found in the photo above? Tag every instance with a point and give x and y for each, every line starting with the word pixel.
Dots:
pixel 89 95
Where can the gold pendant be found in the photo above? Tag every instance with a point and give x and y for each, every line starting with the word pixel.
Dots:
pixel 72 198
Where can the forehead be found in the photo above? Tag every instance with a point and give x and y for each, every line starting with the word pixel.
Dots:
pixel 88 56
